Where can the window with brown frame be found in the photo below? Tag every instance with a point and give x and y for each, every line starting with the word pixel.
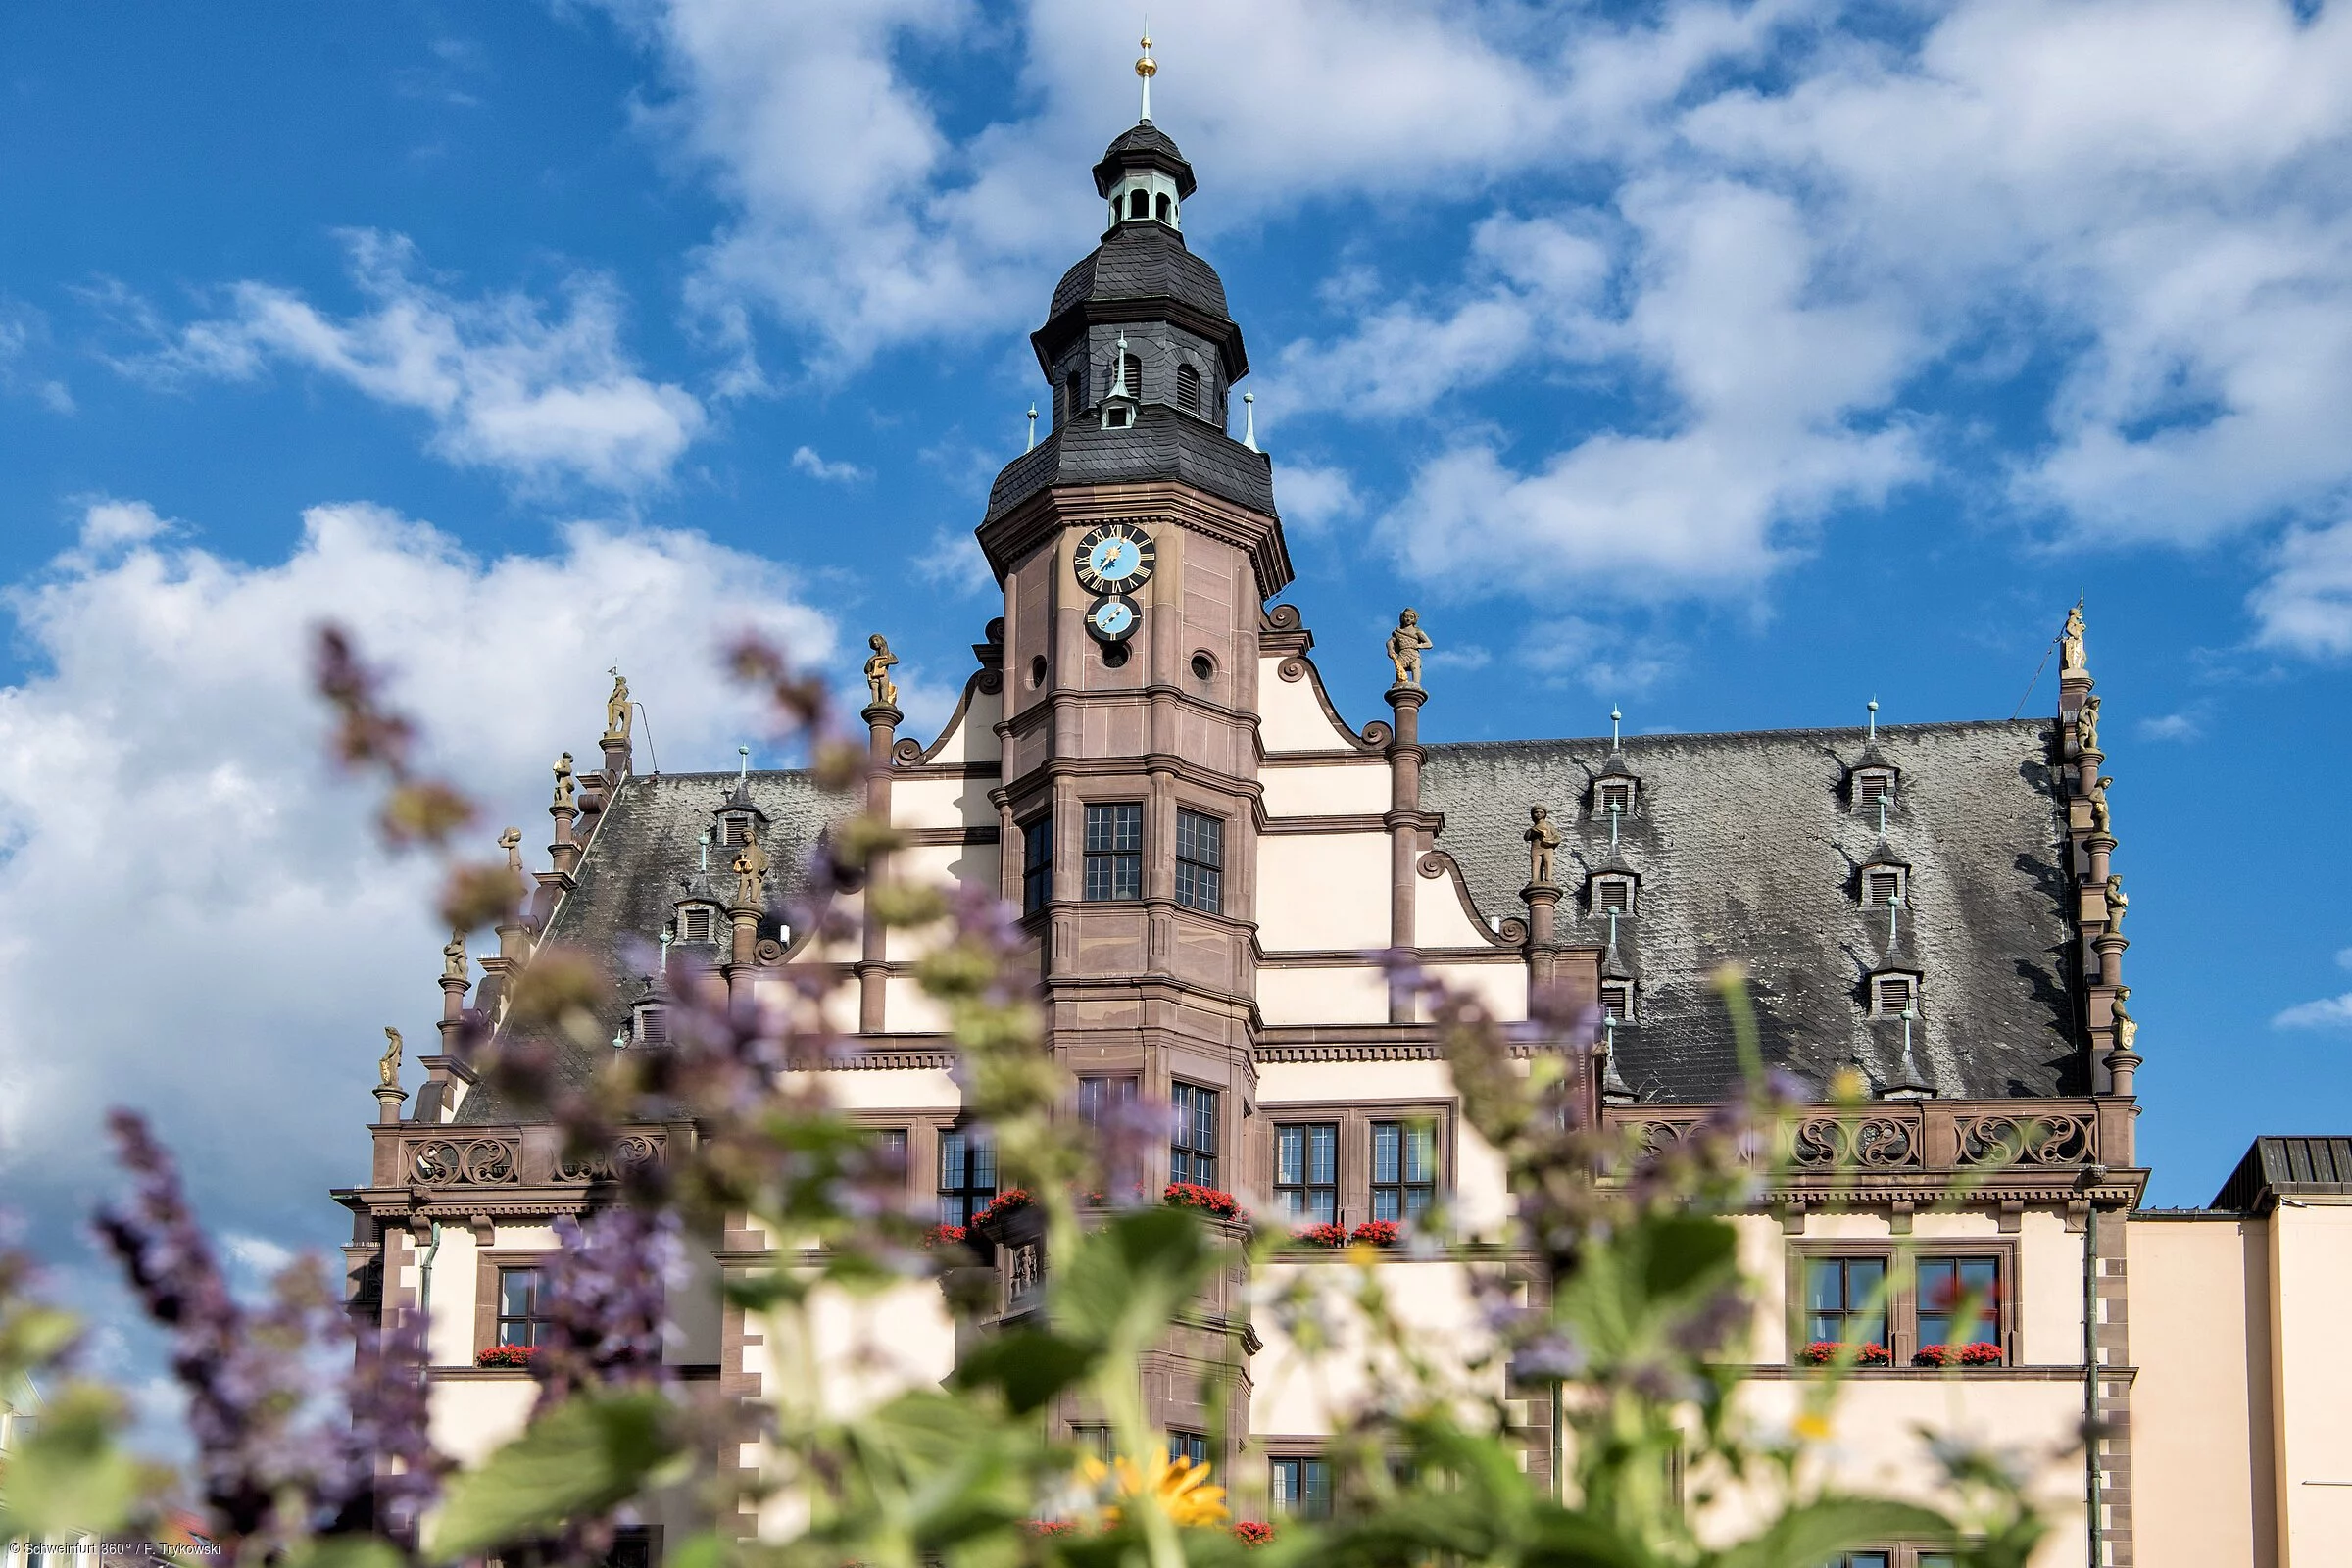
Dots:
pixel 1613 893
pixel 1882 886
pixel 1307 1171
pixel 1613 794
pixel 1300 1486
pixel 1911 1301
pixel 1346 1164
pixel 1617 999
pixel 1893 994
pixel 1405 1169
pixel 522 1306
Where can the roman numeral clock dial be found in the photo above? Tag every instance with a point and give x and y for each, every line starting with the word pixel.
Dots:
pixel 1112 560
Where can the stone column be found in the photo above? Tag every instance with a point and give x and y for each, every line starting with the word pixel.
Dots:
pixel 873 967
pixel 1404 822
pixel 387 1103
pixel 742 965
pixel 1542 909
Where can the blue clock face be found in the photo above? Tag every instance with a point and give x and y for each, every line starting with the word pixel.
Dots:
pixel 1114 618
pixel 1115 558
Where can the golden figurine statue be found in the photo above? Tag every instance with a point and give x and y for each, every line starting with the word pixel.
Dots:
pixel 877 673
pixel 1542 847
pixel 616 708
pixel 387 1065
pixel 2086 726
pixel 1405 646
pixel 453 957
pixel 2100 822
pixel 2126 1027
pixel 564 780
pixel 2070 641
pixel 750 869
pixel 2117 903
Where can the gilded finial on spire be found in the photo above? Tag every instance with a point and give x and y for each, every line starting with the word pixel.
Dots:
pixel 1146 68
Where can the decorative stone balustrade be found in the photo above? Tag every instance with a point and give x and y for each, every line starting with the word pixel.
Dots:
pixel 1907 1135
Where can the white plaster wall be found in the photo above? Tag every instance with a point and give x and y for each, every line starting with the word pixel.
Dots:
pixel 1299 1082
pixel 449 1333
pixel 974 739
pixel 1321 892
pixel 1327 789
pixel 939 865
pixel 1439 918
pixel 919 800
pixel 471 1418
pixel 859 1350
pixel 1289 719
pixel 1296 1394
pixel 908 1009
pixel 1500 988
pixel 1355 994
pixel 1873 1445
pixel 887 1089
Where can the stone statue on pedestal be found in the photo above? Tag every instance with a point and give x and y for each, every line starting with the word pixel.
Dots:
pixel 877 673
pixel 1542 847
pixel 387 1066
pixel 1405 646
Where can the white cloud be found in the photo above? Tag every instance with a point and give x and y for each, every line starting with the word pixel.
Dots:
pixel 21 329
pixel 109 524
pixel 807 461
pixel 2329 1013
pixel 2305 605
pixel 956 564
pixel 1315 496
pixel 539 394
pixel 2171 727
pixel 195 916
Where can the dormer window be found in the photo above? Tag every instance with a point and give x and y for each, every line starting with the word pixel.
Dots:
pixel 734 829
pixel 1188 389
pixel 1893 994
pixel 1882 886
pixel 698 922
pixel 1874 785
pixel 1617 999
pixel 1613 794
pixel 648 1024
pixel 1613 895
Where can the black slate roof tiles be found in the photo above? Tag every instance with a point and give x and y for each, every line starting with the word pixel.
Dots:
pixel 1748 850
pixel 1163 443
pixel 1142 261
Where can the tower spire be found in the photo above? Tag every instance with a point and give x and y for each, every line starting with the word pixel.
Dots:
pixel 1146 68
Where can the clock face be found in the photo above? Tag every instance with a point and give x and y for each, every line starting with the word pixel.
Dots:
pixel 1114 558
pixel 1114 618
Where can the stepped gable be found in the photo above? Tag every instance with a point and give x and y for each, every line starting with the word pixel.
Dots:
pixel 644 859
pixel 1748 849
pixel 1163 443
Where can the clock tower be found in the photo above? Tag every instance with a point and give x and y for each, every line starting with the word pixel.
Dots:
pixel 1136 545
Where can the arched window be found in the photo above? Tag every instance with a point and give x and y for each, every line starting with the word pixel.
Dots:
pixel 1163 208
pixel 1132 375
pixel 1188 389
pixel 1138 204
pixel 1073 395
pixel 1115 209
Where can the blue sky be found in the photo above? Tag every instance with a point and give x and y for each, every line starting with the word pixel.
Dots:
pixel 1730 362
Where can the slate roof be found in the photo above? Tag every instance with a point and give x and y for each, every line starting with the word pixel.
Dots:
pixel 1163 443
pixel 2286 1166
pixel 1143 143
pixel 1747 849
pixel 1142 261
pixel 643 860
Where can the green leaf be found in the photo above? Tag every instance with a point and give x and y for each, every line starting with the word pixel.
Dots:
pixel 1687 1250
pixel 758 1292
pixel 1817 1531
pixel 1031 1366
pixel 585 1455
pixel 68 1475
pixel 345 1552
pixel 1127 1279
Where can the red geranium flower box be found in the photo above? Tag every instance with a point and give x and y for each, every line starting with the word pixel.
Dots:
pixel 1207 1200
pixel 1379 1232
pixel 1325 1235
pixel 507 1355
pixel 1821 1352
pixel 1009 1202
pixel 1254 1532
pixel 1981 1352
pixel 945 1236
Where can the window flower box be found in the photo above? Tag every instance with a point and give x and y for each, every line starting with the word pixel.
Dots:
pixel 1823 1352
pixel 1325 1235
pixel 1256 1532
pixel 938 1236
pixel 514 1358
pixel 1378 1233
pixel 1207 1200
pixel 1012 1219
pixel 1983 1353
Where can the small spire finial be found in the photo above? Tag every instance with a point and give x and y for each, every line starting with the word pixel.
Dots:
pixel 1874 719
pixel 1249 421
pixel 1615 718
pixel 1146 68
pixel 1032 447
pixel 743 763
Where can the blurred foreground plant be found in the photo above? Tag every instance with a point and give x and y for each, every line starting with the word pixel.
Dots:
pixel 1619 1295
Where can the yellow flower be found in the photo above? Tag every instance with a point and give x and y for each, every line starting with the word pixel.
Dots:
pixel 1812 1424
pixel 1181 1486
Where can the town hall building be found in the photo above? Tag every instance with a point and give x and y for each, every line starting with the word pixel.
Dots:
pixel 1211 860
